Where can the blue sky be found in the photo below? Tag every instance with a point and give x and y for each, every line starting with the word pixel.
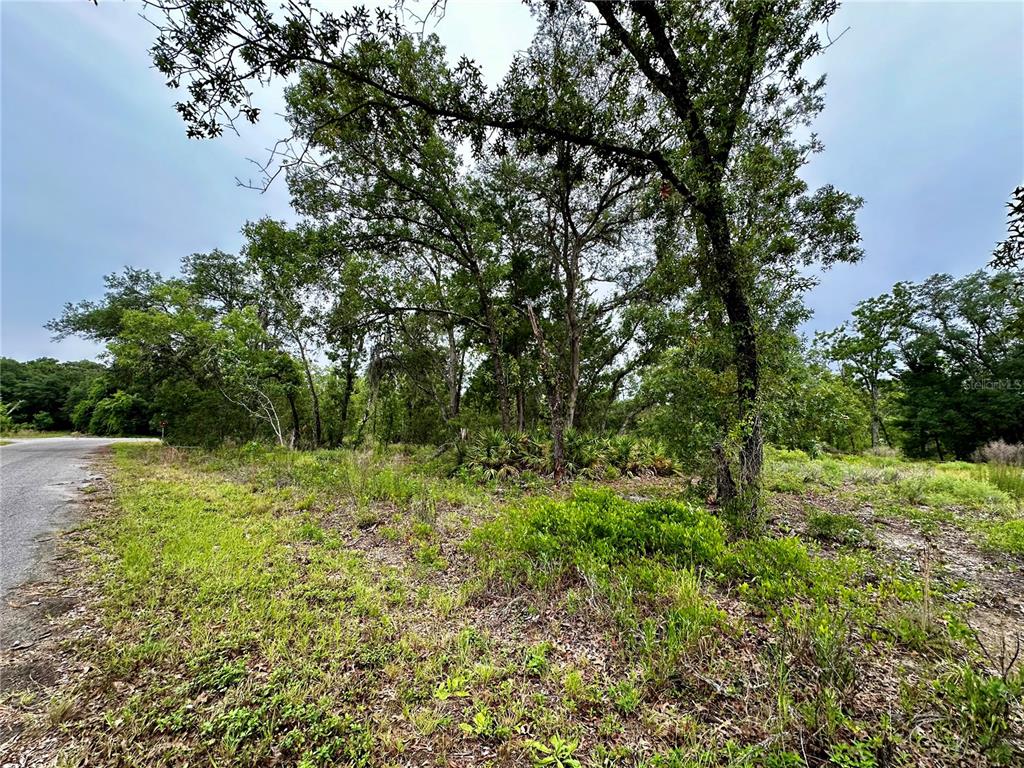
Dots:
pixel 924 119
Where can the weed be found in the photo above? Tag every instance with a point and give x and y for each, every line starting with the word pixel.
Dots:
pixel 535 660
pixel 597 525
pixel 61 709
pixel 557 753
pixel 626 696
pixel 1007 536
pixel 452 687
pixel 572 685
pixel 483 725
pixel 948 489
pixel 1007 478
pixel 430 556
pixel 836 527
pixel 769 570
pixel 979 705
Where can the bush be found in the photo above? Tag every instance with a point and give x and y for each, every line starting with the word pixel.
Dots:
pixel 498 455
pixel 836 527
pixel 42 421
pixel 119 414
pixel 599 525
pixel 1002 453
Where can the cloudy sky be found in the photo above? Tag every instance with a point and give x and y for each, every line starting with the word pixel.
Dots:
pixel 924 119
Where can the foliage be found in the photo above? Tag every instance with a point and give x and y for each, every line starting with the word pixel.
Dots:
pixel 494 454
pixel 119 414
pixel 45 394
pixel 836 527
pixel 951 349
pixel 981 704
pixel 557 753
pixel 1002 453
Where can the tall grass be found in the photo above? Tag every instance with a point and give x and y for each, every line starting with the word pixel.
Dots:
pixel 1007 478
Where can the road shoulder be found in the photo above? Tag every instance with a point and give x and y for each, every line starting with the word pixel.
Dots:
pixel 43 620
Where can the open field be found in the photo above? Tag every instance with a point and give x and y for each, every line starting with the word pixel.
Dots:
pixel 250 607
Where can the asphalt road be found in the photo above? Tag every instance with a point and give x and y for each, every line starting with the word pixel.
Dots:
pixel 38 479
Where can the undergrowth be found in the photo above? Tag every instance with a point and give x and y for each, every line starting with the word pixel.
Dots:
pixel 340 608
pixel 495 454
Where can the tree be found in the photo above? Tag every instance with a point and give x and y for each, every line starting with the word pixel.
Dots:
pixel 947 356
pixel 45 392
pixel 252 372
pixel 699 94
pixel 1009 254
pixel 288 278
pixel 964 364
pixel 404 197
pixel 867 346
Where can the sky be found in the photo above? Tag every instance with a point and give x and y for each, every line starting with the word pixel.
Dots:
pixel 924 119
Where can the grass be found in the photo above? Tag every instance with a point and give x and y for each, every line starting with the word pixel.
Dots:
pixel 1009 479
pixel 339 608
pixel 836 527
pixel 27 433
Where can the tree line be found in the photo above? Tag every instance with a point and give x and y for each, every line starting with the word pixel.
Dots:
pixel 615 238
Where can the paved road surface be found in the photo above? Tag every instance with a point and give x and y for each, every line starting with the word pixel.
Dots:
pixel 37 480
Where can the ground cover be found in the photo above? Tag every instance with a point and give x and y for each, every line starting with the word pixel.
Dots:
pixel 255 607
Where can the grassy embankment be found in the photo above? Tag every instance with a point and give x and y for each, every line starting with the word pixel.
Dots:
pixel 26 434
pixel 264 608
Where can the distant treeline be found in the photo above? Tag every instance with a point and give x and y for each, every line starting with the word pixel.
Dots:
pixel 46 394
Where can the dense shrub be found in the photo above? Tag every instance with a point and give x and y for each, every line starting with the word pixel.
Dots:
pixel 494 454
pixel 1002 453
pixel 119 414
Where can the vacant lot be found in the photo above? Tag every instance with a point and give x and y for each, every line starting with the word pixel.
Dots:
pixel 249 607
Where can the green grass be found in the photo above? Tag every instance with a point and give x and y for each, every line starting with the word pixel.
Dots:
pixel 836 527
pixel 1007 536
pixel 1009 479
pixel 340 608
pixel 188 558
pixel 25 434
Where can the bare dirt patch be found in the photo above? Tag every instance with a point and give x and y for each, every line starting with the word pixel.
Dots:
pixel 989 582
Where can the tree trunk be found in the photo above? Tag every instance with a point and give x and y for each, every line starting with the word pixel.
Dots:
pixel 740 493
pixel 557 446
pixel 351 367
pixel 453 376
pixel 295 419
pixel 874 416
pixel 314 399
pixel 494 342
pixel 521 406
pixel 554 393
pixel 575 338
pixel 885 432
pixel 500 384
